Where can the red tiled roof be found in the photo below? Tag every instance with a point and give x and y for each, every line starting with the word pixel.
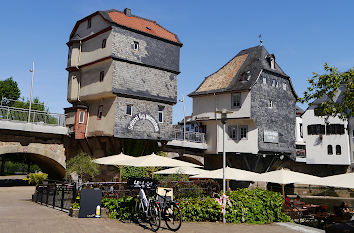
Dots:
pixel 142 25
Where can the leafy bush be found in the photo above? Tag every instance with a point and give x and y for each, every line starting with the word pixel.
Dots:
pixel 250 206
pixel 36 178
pixel 83 165
pixel 121 208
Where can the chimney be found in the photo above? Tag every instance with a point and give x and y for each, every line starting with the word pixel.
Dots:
pixel 127 12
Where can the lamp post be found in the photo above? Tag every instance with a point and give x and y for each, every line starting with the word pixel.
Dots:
pixel 184 118
pixel 223 122
pixel 30 104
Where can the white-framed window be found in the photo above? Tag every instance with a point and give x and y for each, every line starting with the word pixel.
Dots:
pixel 89 23
pixel 243 132
pixel 338 150
pixel 329 150
pixel 81 117
pixel 100 112
pixel 272 63
pixel 104 42
pixel 273 82
pixel 101 76
pixel 232 132
pixel 236 100
pixel 264 80
pixel 276 83
pixel 270 104
pixel 284 86
pixel 129 110
pixel 161 113
pixel 301 131
pixel 136 45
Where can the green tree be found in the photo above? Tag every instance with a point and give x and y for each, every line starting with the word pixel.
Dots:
pixel 83 165
pixel 337 90
pixel 9 89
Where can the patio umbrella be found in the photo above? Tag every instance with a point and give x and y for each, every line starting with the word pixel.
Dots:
pixel 230 174
pixel 182 170
pixel 154 160
pixel 117 160
pixel 341 181
pixel 282 177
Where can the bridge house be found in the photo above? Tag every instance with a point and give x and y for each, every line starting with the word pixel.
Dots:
pixel 260 100
pixel 122 80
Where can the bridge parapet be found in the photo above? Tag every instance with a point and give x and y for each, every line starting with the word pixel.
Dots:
pixel 37 117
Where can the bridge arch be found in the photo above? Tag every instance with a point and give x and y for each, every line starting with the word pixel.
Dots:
pixel 49 157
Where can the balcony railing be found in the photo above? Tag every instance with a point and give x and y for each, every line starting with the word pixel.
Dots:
pixel 190 136
pixel 38 117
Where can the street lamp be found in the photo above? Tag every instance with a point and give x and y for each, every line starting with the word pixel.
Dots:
pixel 30 104
pixel 223 120
pixel 184 117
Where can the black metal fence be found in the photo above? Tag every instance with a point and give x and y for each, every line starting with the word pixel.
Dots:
pixel 55 194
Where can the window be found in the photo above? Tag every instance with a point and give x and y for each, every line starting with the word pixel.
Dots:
pixel 284 86
pixel 236 100
pixel 243 131
pixel 104 41
pixel 264 80
pixel 89 23
pixel 129 110
pixel 99 114
pixel 246 76
pixel 335 129
pixel 301 133
pixel 276 83
pixel 233 132
pixel 315 129
pixel 136 45
pixel 330 150
pixel 81 117
pixel 270 104
pixel 272 63
pixel 338 150
pixel 161 113
pixel 101 76
pixel 273 82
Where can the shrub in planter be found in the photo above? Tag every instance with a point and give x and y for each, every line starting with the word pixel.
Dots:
pixel 120 208
pixel 36 178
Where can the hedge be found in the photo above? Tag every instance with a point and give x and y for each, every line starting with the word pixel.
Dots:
pixel 250 206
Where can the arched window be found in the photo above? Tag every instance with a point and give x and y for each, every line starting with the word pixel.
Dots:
pixel 330 150
pixel 338 150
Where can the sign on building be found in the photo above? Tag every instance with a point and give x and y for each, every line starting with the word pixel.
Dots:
pixel 143 116
pixel 271 136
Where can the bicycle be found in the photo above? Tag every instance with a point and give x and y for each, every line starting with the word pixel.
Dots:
pixel 147 210
pixel 170 212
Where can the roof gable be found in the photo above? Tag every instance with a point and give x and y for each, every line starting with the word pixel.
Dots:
pixel 135 23
pixel 240 73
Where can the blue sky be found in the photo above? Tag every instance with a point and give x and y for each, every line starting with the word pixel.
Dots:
pixel 303 35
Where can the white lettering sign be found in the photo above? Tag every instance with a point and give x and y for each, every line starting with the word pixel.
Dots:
pixel 271 136
pixel 143 116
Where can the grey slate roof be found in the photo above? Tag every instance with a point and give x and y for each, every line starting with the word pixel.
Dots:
pixel 255 61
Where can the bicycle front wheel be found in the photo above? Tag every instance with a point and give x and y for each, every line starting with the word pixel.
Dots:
pixel 173 217
pixel 155 216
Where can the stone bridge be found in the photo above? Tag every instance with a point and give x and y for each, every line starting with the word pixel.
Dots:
pixel 42 144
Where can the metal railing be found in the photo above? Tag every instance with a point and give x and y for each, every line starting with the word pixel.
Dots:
pixel 39 117
pixel 56 195
pixel 190 136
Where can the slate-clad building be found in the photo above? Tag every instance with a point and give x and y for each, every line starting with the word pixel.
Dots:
pixel 122 77
pixel 260 101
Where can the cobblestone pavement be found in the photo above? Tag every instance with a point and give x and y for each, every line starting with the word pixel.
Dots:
pixel 19 214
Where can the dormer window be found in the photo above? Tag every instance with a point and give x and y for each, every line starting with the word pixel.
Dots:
pixel 246 76
pixel 89 23
pixel 272 63
pixel 136 45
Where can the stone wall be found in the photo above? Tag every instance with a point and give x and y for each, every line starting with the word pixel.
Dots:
pixel 124 126
pixel 280 118
pixel 152 51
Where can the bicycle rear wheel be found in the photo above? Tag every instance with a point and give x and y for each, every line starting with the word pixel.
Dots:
pixel 173 217
pixel 155 216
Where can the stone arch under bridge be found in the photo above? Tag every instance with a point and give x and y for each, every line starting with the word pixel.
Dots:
pixel 49 157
